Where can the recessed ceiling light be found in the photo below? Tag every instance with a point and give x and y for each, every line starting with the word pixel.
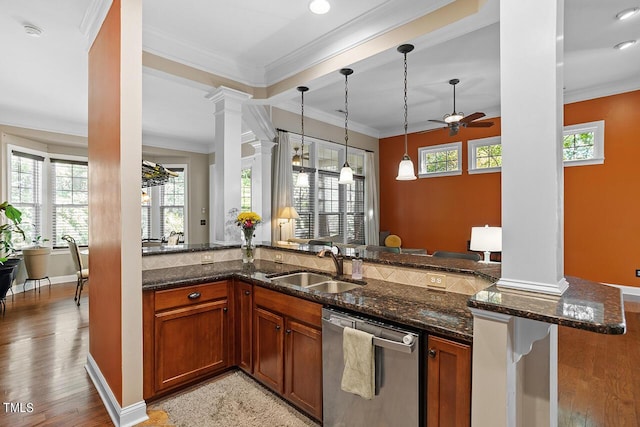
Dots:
pixel 625 45
pixel 319 7
pixel 32 30
pixel 627 13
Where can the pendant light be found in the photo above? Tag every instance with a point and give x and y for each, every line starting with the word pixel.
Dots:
pixel 303 176
pixel 346 173
pixel 405 169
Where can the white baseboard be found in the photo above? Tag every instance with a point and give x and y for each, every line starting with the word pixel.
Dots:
pixel 121 417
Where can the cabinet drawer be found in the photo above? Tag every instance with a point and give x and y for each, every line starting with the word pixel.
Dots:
pixel 298 308
pixel 190 295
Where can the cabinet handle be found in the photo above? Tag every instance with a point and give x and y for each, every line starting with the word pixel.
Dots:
pixel 288 331
pixel 194 295
pixel 225 309
pixel 432 353
pixel 277 327
pixel 247 293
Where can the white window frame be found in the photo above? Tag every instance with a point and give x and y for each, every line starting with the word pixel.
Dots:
pixel 597 128
pixel 154 193
pixel 472 145
pixel 47 205
pixel 439 148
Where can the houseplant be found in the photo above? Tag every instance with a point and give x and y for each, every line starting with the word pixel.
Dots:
pixel 248 221
pixel 10 222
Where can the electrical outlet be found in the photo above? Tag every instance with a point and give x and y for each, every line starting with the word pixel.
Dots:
pixel 278 258
pixel 637 273
pixel 436 280
pixel 207 258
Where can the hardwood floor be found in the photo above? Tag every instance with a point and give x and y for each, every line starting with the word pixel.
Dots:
pixel 44 340
pixel 598 376
pixel 44 343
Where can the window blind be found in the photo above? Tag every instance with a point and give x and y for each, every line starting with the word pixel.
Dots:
pixel 26 194
pixel 69 196
pixel 172 204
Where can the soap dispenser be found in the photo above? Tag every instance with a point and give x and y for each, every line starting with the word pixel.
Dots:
pixel 356 267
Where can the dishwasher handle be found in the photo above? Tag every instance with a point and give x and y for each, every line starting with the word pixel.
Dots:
pixel 381 342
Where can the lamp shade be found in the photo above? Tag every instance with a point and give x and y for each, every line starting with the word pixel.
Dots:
pixel 303 179
pixel 486 239
pixel 405 170
pixel 288 212
pixel 346 175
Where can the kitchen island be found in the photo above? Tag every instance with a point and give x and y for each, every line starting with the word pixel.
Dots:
pixel 431 295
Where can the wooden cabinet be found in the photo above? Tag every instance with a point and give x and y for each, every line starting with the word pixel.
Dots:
pixel 243 293
pixel 448 383
pixel 288 348
pixel 186 335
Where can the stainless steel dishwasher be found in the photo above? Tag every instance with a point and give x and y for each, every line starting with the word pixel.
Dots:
pixel 397 380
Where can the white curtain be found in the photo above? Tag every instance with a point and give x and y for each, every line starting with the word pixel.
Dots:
pixel 282 185
pixel 371 209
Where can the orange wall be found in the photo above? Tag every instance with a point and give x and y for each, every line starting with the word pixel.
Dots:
pixel 105 326
pixel 602 202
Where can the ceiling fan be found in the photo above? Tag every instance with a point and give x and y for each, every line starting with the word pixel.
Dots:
pixel 457 119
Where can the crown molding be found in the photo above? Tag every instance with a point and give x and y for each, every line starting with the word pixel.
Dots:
pixel 608 89
pixel 169 142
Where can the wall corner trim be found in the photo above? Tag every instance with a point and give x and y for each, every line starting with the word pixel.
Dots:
pixel 121 417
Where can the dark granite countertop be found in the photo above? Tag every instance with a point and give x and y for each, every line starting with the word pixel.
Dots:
pixel 584 305
pixel 434 311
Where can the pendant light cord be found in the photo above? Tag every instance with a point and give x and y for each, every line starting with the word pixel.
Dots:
pixel 405 105
pixel 346 116
pixel 302 126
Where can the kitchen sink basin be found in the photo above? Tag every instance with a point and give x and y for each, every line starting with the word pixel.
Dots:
pixel 334 286
pixel 316 282
pixel 303 279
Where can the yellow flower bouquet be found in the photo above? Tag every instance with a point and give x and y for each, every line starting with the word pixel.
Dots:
pixel 248 221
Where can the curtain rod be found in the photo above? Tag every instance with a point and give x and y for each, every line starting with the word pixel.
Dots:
pixel 321 139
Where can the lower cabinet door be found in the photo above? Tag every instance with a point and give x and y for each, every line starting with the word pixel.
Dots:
pixel 303 367
pixel 448 383
pixel 190 342
pixel 244 326
pixel 268 360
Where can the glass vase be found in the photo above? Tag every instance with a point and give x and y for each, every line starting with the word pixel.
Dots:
pixel 248 250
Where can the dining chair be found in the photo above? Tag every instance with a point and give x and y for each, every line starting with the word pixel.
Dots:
pixel 81 273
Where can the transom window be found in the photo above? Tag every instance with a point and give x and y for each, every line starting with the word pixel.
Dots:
pixel 583 144
pixel 440 160
pixel 485 155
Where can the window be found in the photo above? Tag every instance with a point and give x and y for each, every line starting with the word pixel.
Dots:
pixel 325 207
pixel 54 207
pixel 69 201
pixel 164 207
pixel 485 155
pixel 26 194
pixel 440 160
pixel 245 190
pixel 583 144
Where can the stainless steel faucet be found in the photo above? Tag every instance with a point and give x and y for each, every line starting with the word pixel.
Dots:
pixel 338 260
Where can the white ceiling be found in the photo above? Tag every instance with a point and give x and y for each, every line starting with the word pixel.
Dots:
pixel 43 81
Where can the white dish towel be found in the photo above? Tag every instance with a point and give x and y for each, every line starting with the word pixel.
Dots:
pixel 359 372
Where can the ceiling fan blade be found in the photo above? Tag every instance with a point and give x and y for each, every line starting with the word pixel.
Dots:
pixel 479 124
pixel 439 121
pixel 471 117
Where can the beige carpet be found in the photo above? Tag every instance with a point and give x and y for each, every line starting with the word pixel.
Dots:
pixel 233 400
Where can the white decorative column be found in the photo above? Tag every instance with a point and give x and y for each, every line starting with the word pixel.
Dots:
pixel 225 180
pixel 531 55
pixel 261 187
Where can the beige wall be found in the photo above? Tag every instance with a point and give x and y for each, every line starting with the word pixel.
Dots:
pixel 197 186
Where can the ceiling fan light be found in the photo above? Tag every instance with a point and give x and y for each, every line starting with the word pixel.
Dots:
pixel 319 7
pixel 346 175
pixel 405 170
pixel 455 117
pixel 303 179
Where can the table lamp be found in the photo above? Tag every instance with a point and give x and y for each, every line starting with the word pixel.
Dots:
pixel 486 239
pixel 287 213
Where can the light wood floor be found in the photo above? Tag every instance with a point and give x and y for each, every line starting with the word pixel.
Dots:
pixel 44 344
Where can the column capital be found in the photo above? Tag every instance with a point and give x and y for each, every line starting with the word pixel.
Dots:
pixel 225 98
pixel 261 147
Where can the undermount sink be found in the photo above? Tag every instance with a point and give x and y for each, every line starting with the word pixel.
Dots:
pixel 316 282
